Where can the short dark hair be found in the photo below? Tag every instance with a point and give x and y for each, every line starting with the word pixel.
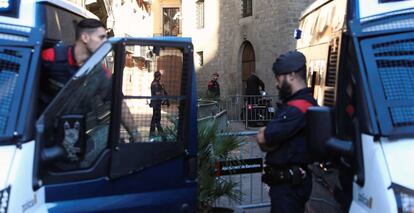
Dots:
pixel 302 73
pixel 157 74
pixel 87 25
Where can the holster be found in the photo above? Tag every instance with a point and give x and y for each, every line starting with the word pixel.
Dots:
pixel 291 175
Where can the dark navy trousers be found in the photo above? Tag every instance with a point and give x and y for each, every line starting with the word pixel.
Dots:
pixel 289 198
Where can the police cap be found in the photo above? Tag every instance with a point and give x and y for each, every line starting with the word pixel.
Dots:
pixel 291 61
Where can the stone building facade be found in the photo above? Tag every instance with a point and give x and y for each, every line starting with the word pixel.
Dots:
pixel 232 45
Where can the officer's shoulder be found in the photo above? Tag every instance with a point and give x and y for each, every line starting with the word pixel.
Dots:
pixel 48 54
pixel 289 112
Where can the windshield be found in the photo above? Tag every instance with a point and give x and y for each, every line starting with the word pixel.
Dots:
pixel 10 61
pixel 390 69
pixel 370 8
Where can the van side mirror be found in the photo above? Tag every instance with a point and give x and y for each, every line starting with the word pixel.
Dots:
pixel 322 142
pixel 320 127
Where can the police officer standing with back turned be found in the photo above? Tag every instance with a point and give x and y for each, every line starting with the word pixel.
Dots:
pixel 284 140
pixel 157 90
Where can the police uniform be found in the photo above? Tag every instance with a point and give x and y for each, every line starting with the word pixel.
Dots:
pixel 252 88
pixel 58 66
pixel 156 90
pixel 214 88
pixel 287 157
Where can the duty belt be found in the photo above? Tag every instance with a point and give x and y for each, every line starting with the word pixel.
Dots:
pixel 293 175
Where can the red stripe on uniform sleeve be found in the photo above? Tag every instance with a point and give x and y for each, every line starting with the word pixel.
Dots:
pixel 48 55
pixel 302 105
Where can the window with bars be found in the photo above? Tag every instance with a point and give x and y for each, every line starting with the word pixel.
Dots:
pixel 171 21
pixel 247 8
pixel 200 14
pixel 200 58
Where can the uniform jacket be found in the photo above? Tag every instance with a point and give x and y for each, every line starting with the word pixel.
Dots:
pixel 156 90
pixel 58 66
pixel 286 132
pixel 253 84
pixel 214 88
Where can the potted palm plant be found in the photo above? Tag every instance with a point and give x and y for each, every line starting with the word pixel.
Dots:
pixel 215 145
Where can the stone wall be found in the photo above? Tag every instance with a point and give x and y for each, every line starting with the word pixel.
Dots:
pixel 269 30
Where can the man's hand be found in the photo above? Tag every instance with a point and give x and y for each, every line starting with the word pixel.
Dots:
pixel 261 141
pixel 260 137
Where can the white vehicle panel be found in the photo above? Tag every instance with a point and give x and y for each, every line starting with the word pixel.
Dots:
pixel 375 195
pixel 372 7
pixel 26 15
pixel 399 156
pixel 6 159
pixel 70 7
pixel 22 196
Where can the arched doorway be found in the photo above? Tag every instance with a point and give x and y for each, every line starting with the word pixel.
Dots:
pixel 248 62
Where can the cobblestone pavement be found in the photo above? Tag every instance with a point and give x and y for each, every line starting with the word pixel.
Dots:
pixel 255 197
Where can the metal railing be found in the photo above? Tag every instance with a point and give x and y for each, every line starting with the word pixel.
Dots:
pixel 210 110
pixel 207 108
pixel 253 193
pixel 252 110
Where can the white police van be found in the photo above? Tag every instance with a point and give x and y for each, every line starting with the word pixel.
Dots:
pixel 107 171
pixel 360 56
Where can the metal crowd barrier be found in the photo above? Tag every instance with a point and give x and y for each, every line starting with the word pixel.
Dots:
pixel 210 110
pixel 253 193
pixel 207 108
pixel 252 110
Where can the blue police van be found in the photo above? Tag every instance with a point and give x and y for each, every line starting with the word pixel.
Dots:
pixel 91 148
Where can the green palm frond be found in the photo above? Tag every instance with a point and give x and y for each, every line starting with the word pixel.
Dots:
pixel 213 146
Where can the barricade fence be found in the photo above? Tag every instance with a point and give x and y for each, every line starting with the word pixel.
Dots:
pixel 252 110
pixel 210 110
pixel 207 108
pixel 253 193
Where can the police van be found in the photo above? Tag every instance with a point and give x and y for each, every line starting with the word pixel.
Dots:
pixel 76 155
pixel 360 58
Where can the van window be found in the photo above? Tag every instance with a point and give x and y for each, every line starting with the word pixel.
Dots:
pixel 60 25
pixel 150 103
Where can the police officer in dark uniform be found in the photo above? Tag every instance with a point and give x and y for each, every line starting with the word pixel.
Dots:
pixel 61 62
pixel 283 139
pixel 253 87
pixel 213 87
pixel 156 90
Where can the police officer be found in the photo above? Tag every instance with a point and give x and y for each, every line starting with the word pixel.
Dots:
pixel 253 87
pixel 156 90
pixel 283 139
pixel 213 87
pixel 61 62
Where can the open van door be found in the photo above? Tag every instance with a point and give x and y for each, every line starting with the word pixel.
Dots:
pixel 93 141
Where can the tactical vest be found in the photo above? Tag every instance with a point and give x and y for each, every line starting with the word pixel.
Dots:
pixel 58 72
pixel 295 151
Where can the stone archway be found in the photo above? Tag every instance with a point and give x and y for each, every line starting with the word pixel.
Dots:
pixel 248 62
